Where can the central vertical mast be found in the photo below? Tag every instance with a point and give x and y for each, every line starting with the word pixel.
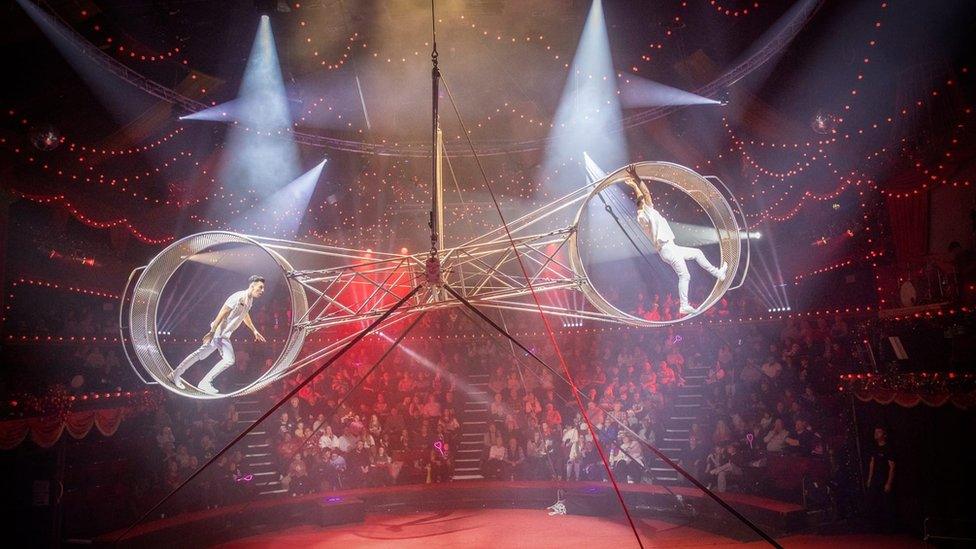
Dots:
pixel 436 218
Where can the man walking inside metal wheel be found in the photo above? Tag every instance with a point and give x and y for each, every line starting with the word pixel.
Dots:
pixel 656 227
pixel 234 311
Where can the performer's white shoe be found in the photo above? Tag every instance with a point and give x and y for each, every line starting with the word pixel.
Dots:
pixel 722 271
pixel 207 387
pixel 686 310
pixel 177 381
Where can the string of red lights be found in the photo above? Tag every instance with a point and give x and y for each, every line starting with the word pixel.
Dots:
pixel 82 217
pixel 840 264
pixel 734 11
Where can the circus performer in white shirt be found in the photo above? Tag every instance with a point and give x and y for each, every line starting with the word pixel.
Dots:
pixel 656 227
pixel 234 311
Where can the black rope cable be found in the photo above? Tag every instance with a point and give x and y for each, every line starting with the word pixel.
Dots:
pixel 348 393
pixel 545 320
pixel 552 467
pixel 607 208
pixel 605 411
pixel 671 463
pixel 616 200
pixel 518 368
pixel 376 323
pixel 565 400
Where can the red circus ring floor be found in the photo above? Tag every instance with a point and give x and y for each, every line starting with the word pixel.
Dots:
pixel 497 528
pixel 489 514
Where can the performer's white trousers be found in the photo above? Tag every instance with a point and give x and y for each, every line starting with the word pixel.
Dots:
pixel 676 256
pixel 221 345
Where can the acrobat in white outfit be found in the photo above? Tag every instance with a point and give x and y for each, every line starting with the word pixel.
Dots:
pixel 231 315
pixel 659 231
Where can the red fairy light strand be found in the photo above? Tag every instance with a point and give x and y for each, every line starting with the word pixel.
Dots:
pixel 80 216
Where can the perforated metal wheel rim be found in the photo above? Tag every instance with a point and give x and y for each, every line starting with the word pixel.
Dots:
pixel 711 201
pixel 145 305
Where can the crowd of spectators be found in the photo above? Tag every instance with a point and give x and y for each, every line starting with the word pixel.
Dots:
pixel 767 392
pixel 399 426
pixel 186 435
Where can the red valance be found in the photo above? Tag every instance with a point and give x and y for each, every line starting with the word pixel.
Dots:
pixel 880 395
pixel 46 431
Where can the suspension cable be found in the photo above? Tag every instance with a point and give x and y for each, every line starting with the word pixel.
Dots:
pixel 545 319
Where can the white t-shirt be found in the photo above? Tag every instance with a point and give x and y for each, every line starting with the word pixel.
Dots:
pixel 656 227
pixel 571 435
pixel 239 304
pixel 329 441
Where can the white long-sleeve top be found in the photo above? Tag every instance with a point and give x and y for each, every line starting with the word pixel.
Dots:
pixel 656 227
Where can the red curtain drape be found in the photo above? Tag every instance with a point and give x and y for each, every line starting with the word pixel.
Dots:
pixel 12 433
pixel 46 431
pixel 962 401
pixel 908 218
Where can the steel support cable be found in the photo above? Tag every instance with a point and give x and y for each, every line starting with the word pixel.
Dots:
pixel 518 368
pixel 545 319
pixel 346 395
pixel 607 208
pixel 671 463
pixel 366 331
pixel 661 455
pixel 606 412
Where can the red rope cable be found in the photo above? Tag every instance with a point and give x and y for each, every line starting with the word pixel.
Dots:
pixel 545 321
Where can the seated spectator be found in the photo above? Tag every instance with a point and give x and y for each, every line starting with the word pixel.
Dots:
pixel 379 472
pixel 432 408
pixel 358 463
pixel 337 468
pixel 722 467
pixel 296 479
pixel 806 442
pixel 496 467
pixel 439 466
pixel 619 462
pixel 635 458
pixel 775 439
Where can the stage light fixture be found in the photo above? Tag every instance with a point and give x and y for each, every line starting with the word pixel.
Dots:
pixel 724 97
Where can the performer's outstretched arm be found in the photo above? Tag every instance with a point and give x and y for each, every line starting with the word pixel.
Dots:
pixel 634 182
pixel 250 324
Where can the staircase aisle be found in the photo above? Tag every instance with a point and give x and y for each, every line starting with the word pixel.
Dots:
pixel 259 459
pixel 684 409
pixel 473 415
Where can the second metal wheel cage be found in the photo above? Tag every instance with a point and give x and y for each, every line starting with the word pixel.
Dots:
pixel 711 201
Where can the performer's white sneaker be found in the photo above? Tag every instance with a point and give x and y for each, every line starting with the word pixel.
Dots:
pixel 722 271
pixel 177 381
pixel 686 310
pixel 208 388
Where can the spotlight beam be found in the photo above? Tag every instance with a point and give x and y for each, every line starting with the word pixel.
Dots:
pixel 589 113
pixel 643 93
pixel 285 210
pixel 252 160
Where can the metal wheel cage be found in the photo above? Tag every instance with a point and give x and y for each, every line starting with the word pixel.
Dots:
pixel 706 195
pixel 145 304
